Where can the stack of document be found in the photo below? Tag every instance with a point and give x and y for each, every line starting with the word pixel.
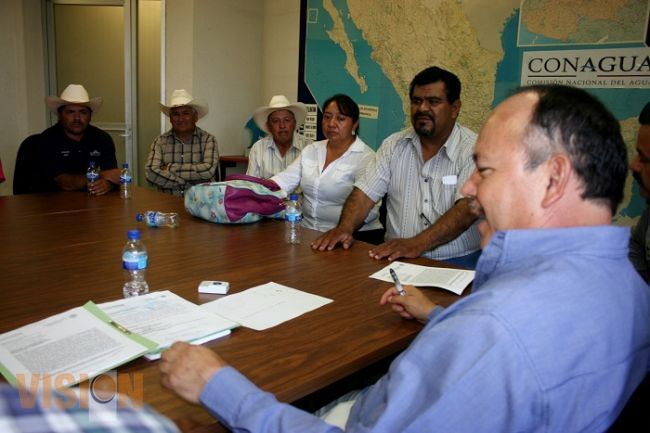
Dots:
pixel 165 317
pixel 87 341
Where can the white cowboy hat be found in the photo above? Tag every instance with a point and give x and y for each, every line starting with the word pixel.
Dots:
pixel 279 102
pixel 73 94
pixel 181 98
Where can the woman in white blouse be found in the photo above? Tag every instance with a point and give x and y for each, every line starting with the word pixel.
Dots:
pixel 326 170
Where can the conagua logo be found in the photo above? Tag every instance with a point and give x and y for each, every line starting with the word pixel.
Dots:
pixel 606 68
pixel 604 64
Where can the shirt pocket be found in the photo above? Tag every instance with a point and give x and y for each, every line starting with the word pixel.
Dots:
pixel 443 196
pixel 310 168
pixel 345 174
pixel 310 176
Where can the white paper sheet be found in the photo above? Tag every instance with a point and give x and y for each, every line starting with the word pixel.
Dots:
pixel 454 280
pixel 69 347
pixel 265 306
pixel 165 317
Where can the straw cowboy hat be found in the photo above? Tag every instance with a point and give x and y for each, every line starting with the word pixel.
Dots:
pixel 279 102
pixel 73 94
pixel 181 98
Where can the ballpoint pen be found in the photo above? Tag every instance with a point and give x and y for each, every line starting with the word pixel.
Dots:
pixel 399 286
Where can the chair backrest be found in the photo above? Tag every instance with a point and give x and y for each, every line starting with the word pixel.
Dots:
pixel 28 166
pixel 635 416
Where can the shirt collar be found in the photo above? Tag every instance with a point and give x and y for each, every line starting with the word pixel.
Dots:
pixel 270 142
pixel 357 145
pixel 195 135
pixel 514 246
pixel 450 149
pixel 452 145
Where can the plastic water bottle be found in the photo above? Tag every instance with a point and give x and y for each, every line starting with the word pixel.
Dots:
pixel 158 219
pixel 134 262
pixel 125 181
pixel 292 218
pixel 92 174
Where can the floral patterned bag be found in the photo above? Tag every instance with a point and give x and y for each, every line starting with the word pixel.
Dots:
pixel 239 199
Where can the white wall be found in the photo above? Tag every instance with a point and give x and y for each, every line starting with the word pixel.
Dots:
pixel 225 64
pixel 22 79
pixel 281 49
pixel 179 48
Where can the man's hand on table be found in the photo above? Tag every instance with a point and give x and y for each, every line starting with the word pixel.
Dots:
pixel 396 248
pixel 329 239
pixel 186 369
pixel 413 305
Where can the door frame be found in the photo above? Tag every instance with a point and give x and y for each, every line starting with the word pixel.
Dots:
pixel 128 128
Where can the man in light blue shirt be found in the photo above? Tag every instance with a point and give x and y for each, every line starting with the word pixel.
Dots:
pixel 556 334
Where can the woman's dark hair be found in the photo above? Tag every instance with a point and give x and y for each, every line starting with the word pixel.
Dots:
pixel 346 106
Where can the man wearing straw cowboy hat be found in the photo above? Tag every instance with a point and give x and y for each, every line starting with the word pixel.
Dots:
pixel 281 147
pixel 185 155
pixel 57 158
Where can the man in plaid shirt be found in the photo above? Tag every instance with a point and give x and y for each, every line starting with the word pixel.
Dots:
pixel 185 155
pixel 21 412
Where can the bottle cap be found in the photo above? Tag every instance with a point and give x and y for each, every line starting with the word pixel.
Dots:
pixel 125 165
pixel 91 163
pixel 293 197
pixel 139 217
pixel 133 235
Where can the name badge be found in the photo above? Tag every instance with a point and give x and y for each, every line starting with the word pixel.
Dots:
pixel 451 179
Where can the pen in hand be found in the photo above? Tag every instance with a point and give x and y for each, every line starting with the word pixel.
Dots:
pixel 399 286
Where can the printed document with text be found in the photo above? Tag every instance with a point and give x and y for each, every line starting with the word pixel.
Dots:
pixel 454 280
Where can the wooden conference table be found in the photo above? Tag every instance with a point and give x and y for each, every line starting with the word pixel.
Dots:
pixel 60 250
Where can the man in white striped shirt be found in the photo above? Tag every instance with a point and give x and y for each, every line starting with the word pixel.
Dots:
pixel 420 170
pixel 275 152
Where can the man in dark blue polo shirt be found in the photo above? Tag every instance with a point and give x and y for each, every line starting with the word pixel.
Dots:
pixel 57 158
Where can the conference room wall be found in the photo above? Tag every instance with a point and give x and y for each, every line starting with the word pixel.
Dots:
pixel 281 38
pixel 22 79
pixel 214 49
